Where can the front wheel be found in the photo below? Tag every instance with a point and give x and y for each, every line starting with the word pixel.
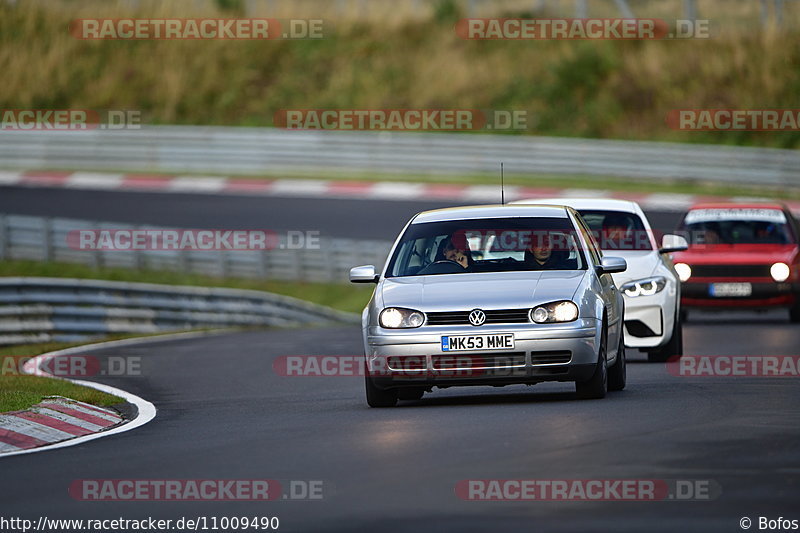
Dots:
pixel 794 311
pixel 377 397
pixel 617 374
pixel 595 388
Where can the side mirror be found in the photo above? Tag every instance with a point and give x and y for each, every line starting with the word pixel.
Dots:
pixel 363 274
pixel 673 243
pixel 611 265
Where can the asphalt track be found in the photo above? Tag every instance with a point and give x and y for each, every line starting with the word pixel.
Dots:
pixel 225 414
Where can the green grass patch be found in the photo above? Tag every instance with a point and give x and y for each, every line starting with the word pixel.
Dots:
pixel 21 392
pixel 18 392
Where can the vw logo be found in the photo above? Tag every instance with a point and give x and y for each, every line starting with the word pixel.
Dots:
pixel 477 317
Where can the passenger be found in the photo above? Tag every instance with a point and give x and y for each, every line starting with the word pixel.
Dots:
pixel 542 255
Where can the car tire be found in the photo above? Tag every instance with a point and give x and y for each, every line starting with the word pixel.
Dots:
pixel 410 394
pixel 673 349
pixel 377 397
pixel 794 311
pixel 617 374
pixel 596 386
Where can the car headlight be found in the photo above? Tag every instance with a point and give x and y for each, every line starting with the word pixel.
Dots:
pixel 780 272
pixel 684 271
pixel 555 312
pixel 398 317
pixel 644 287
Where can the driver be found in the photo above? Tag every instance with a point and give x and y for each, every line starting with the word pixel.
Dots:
pixel 456 249
pixel 615 234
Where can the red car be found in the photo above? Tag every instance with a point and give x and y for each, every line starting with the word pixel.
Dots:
pixel 740 256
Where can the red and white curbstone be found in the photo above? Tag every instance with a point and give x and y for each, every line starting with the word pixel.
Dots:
pixel 379 190
pixel 55 419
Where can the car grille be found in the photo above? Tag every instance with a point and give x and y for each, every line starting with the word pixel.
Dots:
pixel 730 271
pixel 551 358
pixel 495 316
pixel 494 360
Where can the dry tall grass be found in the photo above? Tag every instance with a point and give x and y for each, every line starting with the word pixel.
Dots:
pixel 403 58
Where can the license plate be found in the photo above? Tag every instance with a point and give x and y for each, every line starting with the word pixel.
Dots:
pixel 466 343
pixel 726 290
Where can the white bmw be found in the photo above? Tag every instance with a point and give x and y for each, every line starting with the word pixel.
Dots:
pixel 650 285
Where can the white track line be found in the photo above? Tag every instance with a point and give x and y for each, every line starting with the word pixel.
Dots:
pixel 146 410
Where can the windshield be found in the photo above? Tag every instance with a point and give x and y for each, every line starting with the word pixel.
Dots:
pixel 738 226
pixel 617 230
pixel 487 245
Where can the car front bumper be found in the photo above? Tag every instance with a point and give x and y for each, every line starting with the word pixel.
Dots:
pixel 649 320
pixel 542 352
pixel 765 293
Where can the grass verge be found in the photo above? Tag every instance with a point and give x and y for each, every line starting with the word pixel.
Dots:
pixel 18 392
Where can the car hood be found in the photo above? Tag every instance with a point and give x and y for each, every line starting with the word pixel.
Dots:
pixel 737 254
pixel 463 292
pixel 641 265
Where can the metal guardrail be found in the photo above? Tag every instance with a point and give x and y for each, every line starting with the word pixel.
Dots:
pixel 55 309
pixel 45 239
pixel 229 150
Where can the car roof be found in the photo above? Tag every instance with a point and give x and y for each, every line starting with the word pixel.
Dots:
pixel 490 211
pixel 603 204
pixel 738 205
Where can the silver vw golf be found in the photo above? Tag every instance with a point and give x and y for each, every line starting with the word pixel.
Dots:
pixel 492 295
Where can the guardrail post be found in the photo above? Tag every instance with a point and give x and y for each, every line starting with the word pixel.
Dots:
pixel 4 236
pixel 47 239
pixel 223 263
pixel 624 8
pixel 138 256
pixel 261 264
pixel 580 9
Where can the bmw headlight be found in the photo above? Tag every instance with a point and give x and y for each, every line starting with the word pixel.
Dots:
pixel 684 271
pixel 644 287
pixel 398 317
pixel 565 311
pixel 780 272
